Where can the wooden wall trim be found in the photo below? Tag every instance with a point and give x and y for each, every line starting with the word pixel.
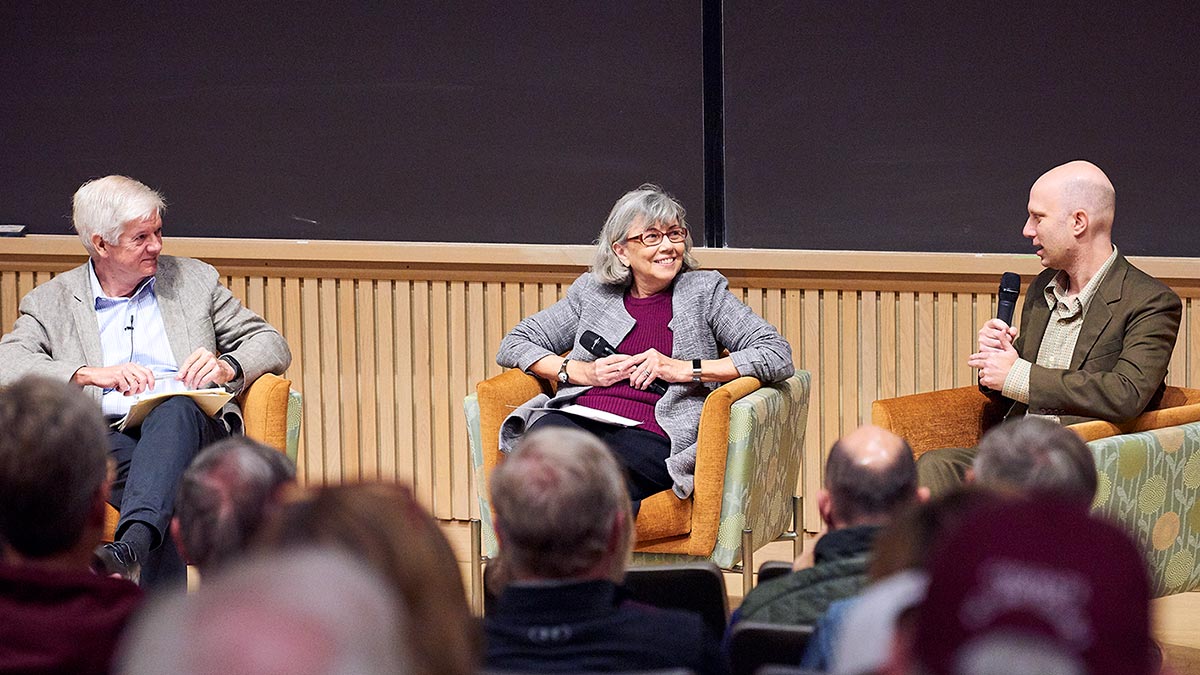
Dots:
pixel 398 259
pixel 387 338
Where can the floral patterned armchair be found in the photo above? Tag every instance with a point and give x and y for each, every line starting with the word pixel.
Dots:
pixel 749 454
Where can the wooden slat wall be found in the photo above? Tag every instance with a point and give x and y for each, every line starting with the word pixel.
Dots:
pixel 387 339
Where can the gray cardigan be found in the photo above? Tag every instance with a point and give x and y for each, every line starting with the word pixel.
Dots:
pixel 706 318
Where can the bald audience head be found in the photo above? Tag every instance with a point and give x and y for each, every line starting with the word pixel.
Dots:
pixel 869 476
pixel 1035 455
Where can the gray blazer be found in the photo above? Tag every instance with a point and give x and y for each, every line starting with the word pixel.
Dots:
pixel 706 318
pixel 57 333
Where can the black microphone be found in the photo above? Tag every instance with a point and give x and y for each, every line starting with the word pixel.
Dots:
pixel 1010 290
pixel 599 348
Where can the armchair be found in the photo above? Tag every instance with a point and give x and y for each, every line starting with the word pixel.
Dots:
pixel 1149 467
pixel 271 413
pixel 964 414
pixel 749 453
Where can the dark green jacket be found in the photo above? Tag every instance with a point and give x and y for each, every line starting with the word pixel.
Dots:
pixel 840 571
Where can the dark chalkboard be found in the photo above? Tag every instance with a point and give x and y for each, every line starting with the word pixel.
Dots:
pixel 847 125
pixel 921 126
pixel 430 121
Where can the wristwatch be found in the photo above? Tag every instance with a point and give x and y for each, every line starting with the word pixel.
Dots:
pixel 563 378
pixel 696 371
pixel 233 386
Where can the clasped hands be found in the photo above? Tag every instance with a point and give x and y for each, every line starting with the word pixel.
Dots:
pixel 996 354
pixel 640 369
pixel 201 368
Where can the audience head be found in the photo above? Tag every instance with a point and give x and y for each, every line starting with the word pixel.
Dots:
pixel 648 204
pixel 304 612
pixel 1031 455
pixel 561 508
pixel 384 526
pixel 53 471
pixel 223 499
pixel 870 474
pixel 1018 587
pixel 103 206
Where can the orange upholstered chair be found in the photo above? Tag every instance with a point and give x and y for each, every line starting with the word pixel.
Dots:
pixel 964 414
pixel 267 418
pixel 748 458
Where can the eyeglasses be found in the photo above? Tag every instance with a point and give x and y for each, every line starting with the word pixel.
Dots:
pixel 654 237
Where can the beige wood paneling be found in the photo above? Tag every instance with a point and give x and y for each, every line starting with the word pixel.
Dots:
pixel 387 338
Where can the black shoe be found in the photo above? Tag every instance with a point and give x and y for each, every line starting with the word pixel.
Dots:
pixel 117 557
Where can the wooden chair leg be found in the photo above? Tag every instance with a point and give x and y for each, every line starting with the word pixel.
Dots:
pixel 477 566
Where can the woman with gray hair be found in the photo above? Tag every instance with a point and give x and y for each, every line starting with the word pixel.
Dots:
pixel 668 324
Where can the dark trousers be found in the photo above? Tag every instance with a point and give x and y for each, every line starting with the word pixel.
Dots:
pixel 643 454
pixel 149 462
pixel 944 470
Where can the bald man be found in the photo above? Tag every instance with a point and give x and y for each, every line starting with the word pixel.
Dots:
pixel 869 476
pixel 1096 332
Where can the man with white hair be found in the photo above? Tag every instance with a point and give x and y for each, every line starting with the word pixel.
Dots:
pixel 563 519
pixel 1096 332
pixel 130 321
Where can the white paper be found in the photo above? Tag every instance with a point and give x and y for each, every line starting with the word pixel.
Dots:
pixel 209 400
pixel 593 414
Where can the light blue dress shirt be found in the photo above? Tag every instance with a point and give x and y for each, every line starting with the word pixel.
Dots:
pixel 132 331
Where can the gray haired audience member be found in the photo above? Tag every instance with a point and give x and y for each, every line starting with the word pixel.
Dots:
pixel 224 497
pixel 56 615
pixel 1033 454
pixel 563 520
pixel 307 612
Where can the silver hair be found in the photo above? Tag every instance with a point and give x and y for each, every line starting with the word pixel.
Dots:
pixel 1032 454
pixel 224 496
pixel 103 206
pixel 347 615
pixel 653 205
pixel 555 498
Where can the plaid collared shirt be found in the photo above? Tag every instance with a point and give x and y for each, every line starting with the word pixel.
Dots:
pixel 1062 330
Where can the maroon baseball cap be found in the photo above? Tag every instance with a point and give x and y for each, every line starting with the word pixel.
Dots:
pixel 1029 582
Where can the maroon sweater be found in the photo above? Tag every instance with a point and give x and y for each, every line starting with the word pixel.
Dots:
pixel 58 621
pixel 651 314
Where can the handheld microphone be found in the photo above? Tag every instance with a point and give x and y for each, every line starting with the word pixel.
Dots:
pixel 599 347
pixel 1010 290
